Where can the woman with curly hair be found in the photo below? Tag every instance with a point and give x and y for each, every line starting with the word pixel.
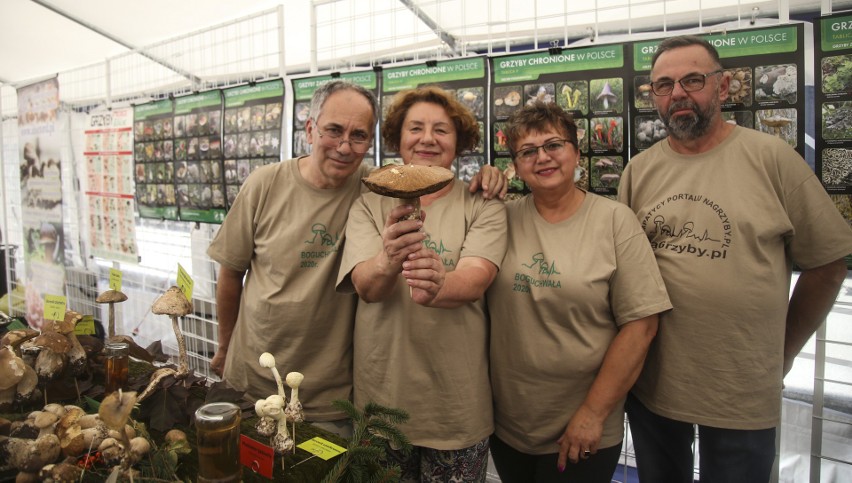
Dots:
pixel 421 333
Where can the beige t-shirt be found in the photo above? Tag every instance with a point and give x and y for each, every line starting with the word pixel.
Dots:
pixel 432 363
pixel 555 307
pixel 724 226
pixel 287 234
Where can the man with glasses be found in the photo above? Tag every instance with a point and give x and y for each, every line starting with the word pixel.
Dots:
pixel 727 211
pixel 283 235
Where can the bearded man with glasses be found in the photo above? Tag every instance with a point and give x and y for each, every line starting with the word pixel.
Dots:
pixel 278 250
pixel 727 210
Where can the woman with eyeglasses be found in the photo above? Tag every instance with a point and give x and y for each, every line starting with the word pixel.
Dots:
pixel 421 333
pixel 573 311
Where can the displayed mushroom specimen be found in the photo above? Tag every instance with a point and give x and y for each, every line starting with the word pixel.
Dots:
pixel 174 304
pixel 606 96
pixel 294 411
pixel 115 412
pixel 273 408
pixel 14 339
pixel 267 360
pixel 111 297
pixel 408 183
pixel 17 380
pixel 52 357
pixel 777 123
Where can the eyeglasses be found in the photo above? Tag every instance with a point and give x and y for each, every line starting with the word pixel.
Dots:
pixel 690 83
pixel 358 141
pixel 552 148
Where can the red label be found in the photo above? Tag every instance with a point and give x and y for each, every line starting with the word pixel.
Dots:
pixel 256 456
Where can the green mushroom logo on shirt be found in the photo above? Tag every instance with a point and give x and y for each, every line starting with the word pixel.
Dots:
pixel 544 272
pixel 439 248
pixel 324 244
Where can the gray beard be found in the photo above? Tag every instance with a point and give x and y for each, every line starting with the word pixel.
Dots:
pixel 689 127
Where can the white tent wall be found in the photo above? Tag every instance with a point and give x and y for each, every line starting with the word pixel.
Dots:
pixel 343 34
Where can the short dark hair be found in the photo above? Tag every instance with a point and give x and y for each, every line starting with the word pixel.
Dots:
pixel 672 43
pixel 326 90
pixel 467 129
pixel 539 117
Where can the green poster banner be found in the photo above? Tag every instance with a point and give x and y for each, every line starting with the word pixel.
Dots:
pixel 152 109
pixel 409 77
pixel 185 105
pixel 303 89
pixel 530 66
pixel 238 96
pixel 836 33
pixel 731 44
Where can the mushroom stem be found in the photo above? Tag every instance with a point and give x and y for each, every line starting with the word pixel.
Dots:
pixel 415 203
pixel 112 319
pixel 183 366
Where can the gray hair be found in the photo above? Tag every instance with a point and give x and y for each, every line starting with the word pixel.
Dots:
pixel 329 88
pixel 672 43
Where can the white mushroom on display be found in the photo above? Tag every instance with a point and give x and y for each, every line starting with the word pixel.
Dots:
pixel 174 304
pixel 408 183
pixel 111 297
pixel 273 407
pixel 267 360
pixel 265 426
pixel 293 411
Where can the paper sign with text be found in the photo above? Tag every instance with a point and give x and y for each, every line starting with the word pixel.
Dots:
pixel 54 307
pixel 85 326
pixel 256 456
pixel 322 448
pixel 115 279
pixel 184 282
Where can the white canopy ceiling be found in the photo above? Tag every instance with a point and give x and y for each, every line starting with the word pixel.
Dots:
pixel 39 38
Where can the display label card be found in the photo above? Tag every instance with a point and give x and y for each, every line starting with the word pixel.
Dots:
pixel 54 307
pixel 322 448
pixel 256 456
pixel 115 279
pixel 184 282
pixel 85 326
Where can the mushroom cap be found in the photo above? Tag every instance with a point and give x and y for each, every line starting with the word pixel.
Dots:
pixel 11 369
pixel 172 302
pixel 45 419
pixel 116 407
pixel 294 379
pixel 14 338
pixel 52 341
pixel 408 181
pixel 267 360
pixel 111 296
pixel 606 92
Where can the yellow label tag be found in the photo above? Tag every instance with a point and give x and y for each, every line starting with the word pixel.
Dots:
pixel 184 282
pixel 115 279
pixel 54 307
pixel 85 326
pixel 322 448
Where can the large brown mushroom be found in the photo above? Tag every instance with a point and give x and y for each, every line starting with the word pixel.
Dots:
pixel 174 304
pixel 52 358
pixel 408 183
pixel 14 339
pixel 111 297
pixel 11 373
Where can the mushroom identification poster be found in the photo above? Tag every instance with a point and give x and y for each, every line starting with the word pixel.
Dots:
pixel 766 90
pixel 303 90
pixel 833 96
pixel 109 184
pixel 465 79
pixel 589 83
pixel 252 131
pixel 153 154
pixel 197 167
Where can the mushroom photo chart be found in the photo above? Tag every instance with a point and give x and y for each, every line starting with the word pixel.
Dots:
pixel 252 132
pixel 155 189
pixel 589 83
pixel 303 90
pixel 200 189
pixel 766 89
pixel 833 99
